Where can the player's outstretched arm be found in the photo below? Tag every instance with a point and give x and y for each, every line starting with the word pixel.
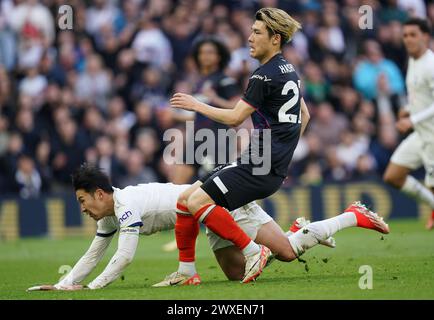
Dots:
pixel 231 117
pixel 305 116
pixel 82 268
pixel 127 245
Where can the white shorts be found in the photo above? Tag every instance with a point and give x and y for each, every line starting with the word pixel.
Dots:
pixel 412 153
pixel 250 218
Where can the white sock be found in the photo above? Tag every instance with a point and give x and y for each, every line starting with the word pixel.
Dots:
pixel 251 249
pixel 188 268
pixel 310 235
pixel 417 190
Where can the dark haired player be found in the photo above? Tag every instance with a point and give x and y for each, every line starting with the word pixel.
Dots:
pixel 149 208
pixel 418 148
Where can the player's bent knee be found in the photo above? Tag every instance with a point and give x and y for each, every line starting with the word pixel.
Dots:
pixel 197 200
pixel 395 175
pixel 233 270
pixel 394 181
pixel 233 273
pixel 388 176
pixel 183 197
pixel 286 256
pixel 285 253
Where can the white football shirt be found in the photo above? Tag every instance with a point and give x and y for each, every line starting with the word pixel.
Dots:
pixel 151 206
pixel 420 88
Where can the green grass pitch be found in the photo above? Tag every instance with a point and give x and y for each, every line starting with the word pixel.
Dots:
pixel 402 264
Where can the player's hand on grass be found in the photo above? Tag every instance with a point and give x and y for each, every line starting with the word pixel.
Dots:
pixel 48 287
pixel 184 101
pixel 404 124
pixel 44 287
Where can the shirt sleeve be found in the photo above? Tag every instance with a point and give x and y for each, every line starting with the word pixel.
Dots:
pixel 256 91
pixel 127 245
pixel 423 115
pixel 428 112
pixel 128 216
pixel 106 227
pixel 431 82
pixel 87 263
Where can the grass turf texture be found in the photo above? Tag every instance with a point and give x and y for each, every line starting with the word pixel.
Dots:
pixel 402 265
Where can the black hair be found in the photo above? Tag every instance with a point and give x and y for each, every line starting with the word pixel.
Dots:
pixel 222 51
pixel 423 24
pixel 89 178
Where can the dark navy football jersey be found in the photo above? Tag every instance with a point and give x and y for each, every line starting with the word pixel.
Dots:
pixel 274 92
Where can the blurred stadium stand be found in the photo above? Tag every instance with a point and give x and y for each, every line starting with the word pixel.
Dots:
pixel 99 93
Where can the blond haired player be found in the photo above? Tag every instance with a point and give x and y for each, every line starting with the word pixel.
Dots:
pixel 273 101
pixel 418 148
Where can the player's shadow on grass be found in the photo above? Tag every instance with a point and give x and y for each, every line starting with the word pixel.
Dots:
pixel 281 279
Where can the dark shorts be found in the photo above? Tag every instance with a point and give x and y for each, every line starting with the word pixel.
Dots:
pixel 233 186
pixel 204 166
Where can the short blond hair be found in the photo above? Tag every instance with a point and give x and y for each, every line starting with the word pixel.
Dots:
pixel 278 21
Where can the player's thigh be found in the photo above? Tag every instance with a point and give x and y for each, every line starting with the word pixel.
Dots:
pixel 407 157
pixel 273 237
pixel 231 261
pixel 396 174
pixel 183 197
pixel 409 152
pixel 187 193
pixel 236 185
pixel 197 200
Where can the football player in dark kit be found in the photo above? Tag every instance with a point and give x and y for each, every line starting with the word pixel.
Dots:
pixel 279 115
pixel 273 100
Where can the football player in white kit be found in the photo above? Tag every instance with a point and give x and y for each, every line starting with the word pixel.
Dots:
pixel 149 208
pixel 418 148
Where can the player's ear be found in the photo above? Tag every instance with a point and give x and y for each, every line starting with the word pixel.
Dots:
pixel 276 39
pixel 99 193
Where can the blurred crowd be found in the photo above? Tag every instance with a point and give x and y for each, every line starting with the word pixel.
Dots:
pixel 100 92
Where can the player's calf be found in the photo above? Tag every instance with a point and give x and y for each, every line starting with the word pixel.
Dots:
pixel 356 215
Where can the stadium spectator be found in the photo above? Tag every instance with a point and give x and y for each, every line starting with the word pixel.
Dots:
pixel 152 46
pixel 103 156
pixel 33 19
pixel 93 86
pixel 5 92
pixel 135 53
pixel 374 68
pixel 27 178
pixel 25 125
pixel 68 150
pixel 383 146
pixel 211 56
pixel 33 85
pixel 317 87
pixel 8 43
pixel 328 124
pixel 9 160
pixel 43 164
pixel 136 171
